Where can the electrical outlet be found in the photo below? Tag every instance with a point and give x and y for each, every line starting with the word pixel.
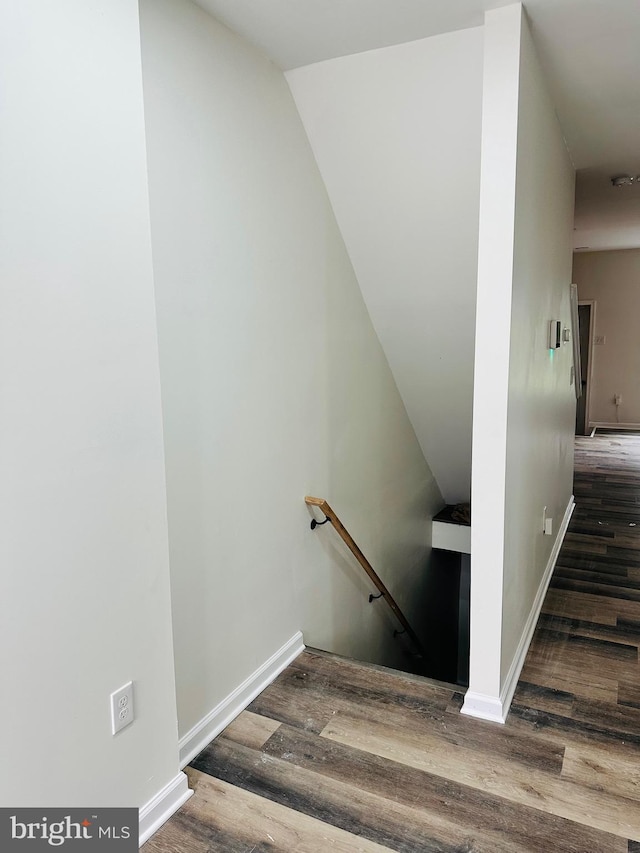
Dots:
pixel 547 523
pixel 122 712
pixel 600 340
pixel 617 399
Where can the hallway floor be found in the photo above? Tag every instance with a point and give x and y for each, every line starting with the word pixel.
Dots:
pixel 337 755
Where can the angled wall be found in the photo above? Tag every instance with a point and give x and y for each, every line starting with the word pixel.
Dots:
pixel 274 383
pixel 396 135
pixel 524 403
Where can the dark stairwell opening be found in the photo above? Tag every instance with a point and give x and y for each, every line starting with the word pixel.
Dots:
pixel 435 644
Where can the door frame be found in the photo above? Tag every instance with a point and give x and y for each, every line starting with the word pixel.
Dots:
pixel 592 327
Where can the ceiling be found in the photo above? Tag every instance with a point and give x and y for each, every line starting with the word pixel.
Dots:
pixel 590 50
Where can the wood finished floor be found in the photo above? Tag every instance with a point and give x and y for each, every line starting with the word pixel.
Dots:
pixel 338 756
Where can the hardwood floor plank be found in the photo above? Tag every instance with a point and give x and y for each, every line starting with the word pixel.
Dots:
pixel 585 565
pixel 629 693
pixel 308 694
pixel 618 580
pixel 543 698
pixel 410 810
pixel 574 730
pixel 591 542
pixel 481 814
pixel 599 770
pixel 600 589
pixel 621 720
pixel 251 729
pixel 339 671
pixel 627 555
pixel 584 628
pixel 558 676
pixel 408 713
pixel 590 606
pixel 631 624
pixel 574 647
pixel 626 538
pixel 535 789
pixel 335 801
pixel 583 549
pixel 224 818
pixel 581 533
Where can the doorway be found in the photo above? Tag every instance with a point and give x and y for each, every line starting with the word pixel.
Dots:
pixel 586 317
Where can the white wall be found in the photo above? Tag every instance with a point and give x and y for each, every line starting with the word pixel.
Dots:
pixel 396 134
pixel 274 383
pixel 612 279
pixel 541 416
pixel 83 548
pixel 524 405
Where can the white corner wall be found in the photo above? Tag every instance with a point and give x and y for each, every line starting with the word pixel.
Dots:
pixel 524 404
pixel 85 602
pixel 541 415
pixel 274 383
pixel 612 279
pixel 396 134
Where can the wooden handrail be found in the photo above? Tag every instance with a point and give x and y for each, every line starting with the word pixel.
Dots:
pixel 344 534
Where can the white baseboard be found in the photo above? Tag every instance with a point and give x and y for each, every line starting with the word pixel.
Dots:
pixel 165 803
pixel 511 681
pixel 496 708
pixel 603 425
pixel 226 711
pixel 482 706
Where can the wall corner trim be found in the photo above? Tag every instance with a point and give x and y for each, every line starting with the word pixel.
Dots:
pixel 497 708
pixel 228 709
pixel 165 803
pixel 483 707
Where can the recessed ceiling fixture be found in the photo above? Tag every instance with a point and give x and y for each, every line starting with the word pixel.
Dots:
pixel 625 180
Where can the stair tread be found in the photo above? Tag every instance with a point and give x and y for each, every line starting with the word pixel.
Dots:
pixel 399 673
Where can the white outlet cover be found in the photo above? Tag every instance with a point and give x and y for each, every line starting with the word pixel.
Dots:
pixel 122 709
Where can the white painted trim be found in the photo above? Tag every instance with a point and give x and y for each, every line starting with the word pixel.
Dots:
pixel 226 711
pixel 502 61
pixel 497 708
pixel 451 537
pixel 165 803
pixel 602 425
pixel 482 706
